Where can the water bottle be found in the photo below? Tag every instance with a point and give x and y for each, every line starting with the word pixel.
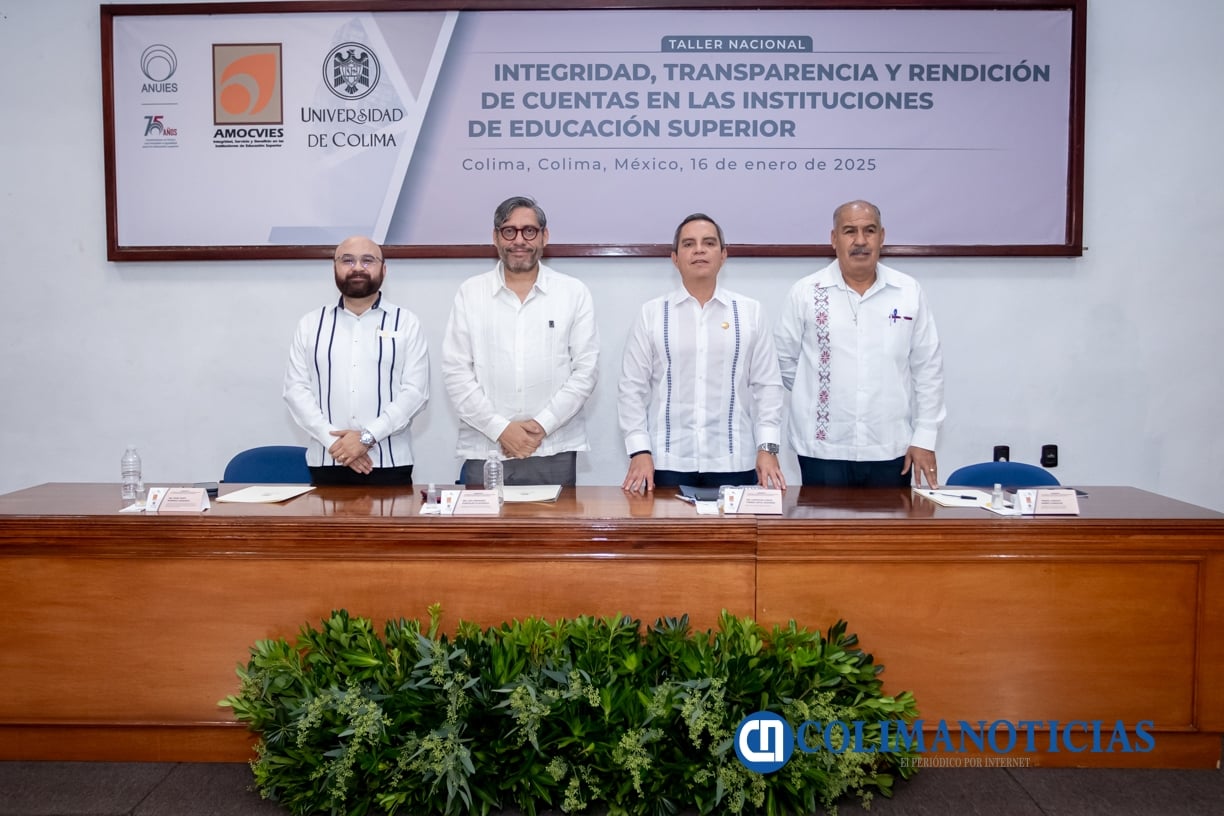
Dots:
pixel 996 497
pixel 129 472
pixel 493 473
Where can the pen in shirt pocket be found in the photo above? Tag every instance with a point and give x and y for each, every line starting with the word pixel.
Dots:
pixel 552 325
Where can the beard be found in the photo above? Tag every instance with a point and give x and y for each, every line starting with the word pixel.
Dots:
pixel 359 284
pixel 519 262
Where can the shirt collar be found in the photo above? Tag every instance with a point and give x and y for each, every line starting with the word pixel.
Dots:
pixel 831 275
pixel 541 281
pixel 720 296
pixel 377 304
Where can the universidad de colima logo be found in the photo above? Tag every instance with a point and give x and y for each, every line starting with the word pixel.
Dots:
pixel 765 741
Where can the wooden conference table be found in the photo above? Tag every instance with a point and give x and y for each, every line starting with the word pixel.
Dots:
pixel 121 631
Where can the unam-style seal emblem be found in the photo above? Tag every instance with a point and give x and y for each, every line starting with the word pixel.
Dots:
pixel 351 70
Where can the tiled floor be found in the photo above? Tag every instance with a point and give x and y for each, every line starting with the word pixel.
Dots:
pixel 166 789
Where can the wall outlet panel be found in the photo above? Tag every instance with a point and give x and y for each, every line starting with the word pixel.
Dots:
pixel 1049 456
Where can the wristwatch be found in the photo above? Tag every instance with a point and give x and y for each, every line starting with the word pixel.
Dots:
pixel 368 440
pixel 769 447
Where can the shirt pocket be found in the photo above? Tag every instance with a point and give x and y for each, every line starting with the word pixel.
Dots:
pixel 898 337
pixel 388 347
pixel 549 364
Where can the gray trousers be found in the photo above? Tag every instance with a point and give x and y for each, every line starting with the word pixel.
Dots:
pixel 560 468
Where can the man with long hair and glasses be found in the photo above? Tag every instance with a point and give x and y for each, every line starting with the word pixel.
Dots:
pixel 358 372
pixel 519 357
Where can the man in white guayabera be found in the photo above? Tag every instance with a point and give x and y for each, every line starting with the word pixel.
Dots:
pixel 858 349
pixel 519 357
pixel 358 373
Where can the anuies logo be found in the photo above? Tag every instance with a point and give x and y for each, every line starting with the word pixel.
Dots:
pixel 158 63
pixel 351 71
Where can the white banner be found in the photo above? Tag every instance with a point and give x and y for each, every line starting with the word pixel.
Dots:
pixel 298 129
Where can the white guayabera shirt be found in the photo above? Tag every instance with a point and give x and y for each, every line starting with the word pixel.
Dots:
pixel 700 387
pixel 866 374
pixel 506 360
pixel 353 372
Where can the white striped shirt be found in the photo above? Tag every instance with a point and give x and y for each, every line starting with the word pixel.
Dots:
pixel 700 387
pixel 354 372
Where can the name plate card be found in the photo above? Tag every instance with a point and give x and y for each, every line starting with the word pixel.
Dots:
pixel 177 500
pixel 756 501
pixel 472 503
pixel 1051 501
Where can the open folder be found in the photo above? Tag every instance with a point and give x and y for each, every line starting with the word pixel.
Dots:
pixel 265 494
pixel 531 493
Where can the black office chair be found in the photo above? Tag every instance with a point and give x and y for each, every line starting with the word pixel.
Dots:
pixel 270 464
pixel 1009 474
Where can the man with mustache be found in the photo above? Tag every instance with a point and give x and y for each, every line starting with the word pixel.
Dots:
pixel 358 372
pixel 859 351
pixel 700 392
pixel 519 357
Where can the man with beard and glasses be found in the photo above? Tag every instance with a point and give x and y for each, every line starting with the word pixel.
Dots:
pixel 358 372
pixel 519 357
pixel 858 349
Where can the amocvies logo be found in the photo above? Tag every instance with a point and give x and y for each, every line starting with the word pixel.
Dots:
pixel 247 84
pixel 248 107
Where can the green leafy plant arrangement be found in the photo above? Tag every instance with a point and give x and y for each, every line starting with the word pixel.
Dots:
pixel 579 714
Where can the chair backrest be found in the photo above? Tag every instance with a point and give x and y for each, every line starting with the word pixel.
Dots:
pixel 270 464
pixel 1009 474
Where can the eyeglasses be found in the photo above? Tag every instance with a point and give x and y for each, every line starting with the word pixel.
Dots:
pixel 510 233
pixel 365 261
